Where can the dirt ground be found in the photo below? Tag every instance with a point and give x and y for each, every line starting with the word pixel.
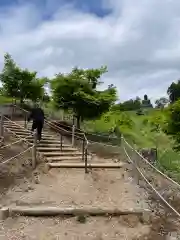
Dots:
pixel 13 171
pixel 22 186
pixel 74 188
pixel 60 229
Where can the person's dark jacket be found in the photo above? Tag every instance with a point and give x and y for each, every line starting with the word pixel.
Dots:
pixel 37 114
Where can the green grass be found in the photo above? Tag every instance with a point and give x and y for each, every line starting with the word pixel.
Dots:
pixel 132 127
pixel 140 134
pixel 4 100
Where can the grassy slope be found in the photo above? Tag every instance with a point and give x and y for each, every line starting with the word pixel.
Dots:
pixel 141 135
pixel 4 100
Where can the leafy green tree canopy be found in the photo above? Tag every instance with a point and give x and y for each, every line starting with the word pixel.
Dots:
pixel 20 83
pixel 161 103
pixel 174 91
pixel 77 91
pixel 173 126
pixel 129 105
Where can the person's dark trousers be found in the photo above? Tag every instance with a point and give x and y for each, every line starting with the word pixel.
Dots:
pixel 39 126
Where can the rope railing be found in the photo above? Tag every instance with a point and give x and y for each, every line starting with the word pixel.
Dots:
pixel 143 175
pixel 14 157
pixel 152 166
pixel 20 138
pixel 25 140
pixel 15 123
pixel 13 143
pixel 151 186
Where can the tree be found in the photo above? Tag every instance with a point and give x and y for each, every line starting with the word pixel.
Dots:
pixel 173 123
pixel 35 90
pixel 174 91
pixel 20 83
pixel 161 103
pixel 129 105
pixel 77 91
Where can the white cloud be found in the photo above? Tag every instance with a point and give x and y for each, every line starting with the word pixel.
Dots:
pixel 138 41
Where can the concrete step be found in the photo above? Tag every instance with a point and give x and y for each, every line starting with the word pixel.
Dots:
pixel 30 123
pixel 26 133
pixel 44 138
pixel 19 133
pixel 48 137
pixel 82 165
pixel 19 128
pixel 64 158
pixel 53 145
pixel 15 127
pixel 50 149
pixel 62 154
pixel 49 141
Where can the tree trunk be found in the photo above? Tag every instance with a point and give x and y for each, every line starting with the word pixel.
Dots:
pixel 78 122
pixel 21 100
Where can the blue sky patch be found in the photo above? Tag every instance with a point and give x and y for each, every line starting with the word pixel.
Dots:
pixel 50 6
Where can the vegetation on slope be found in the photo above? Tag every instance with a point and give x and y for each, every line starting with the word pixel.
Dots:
pixel 146 131
pixel 96 111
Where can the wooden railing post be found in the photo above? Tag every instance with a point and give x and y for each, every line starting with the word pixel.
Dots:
pixel 86 153
pixel 73 132
pixel 2 125
pixel 62 115
pixel 83 150
pixel 34 151
pixel 61 142
pixel 25 120
pixel 12 109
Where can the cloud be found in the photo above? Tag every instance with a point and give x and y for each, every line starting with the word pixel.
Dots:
pixel 138 41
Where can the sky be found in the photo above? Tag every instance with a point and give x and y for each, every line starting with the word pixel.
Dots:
pixel 139 41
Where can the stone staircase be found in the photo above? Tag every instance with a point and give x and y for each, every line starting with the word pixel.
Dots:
pixel 50 145
pixel 57 154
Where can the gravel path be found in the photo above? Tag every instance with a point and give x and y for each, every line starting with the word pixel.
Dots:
pixel 73 187
pixel 62 187
pixel 61 229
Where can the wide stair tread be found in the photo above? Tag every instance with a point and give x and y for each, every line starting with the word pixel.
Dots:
pixel 48 140
pixel 51 149
pixel 28 134
pixel 82 165
pixel 59 153
pixel 21 128
pixel 53 145
pixel 64 158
